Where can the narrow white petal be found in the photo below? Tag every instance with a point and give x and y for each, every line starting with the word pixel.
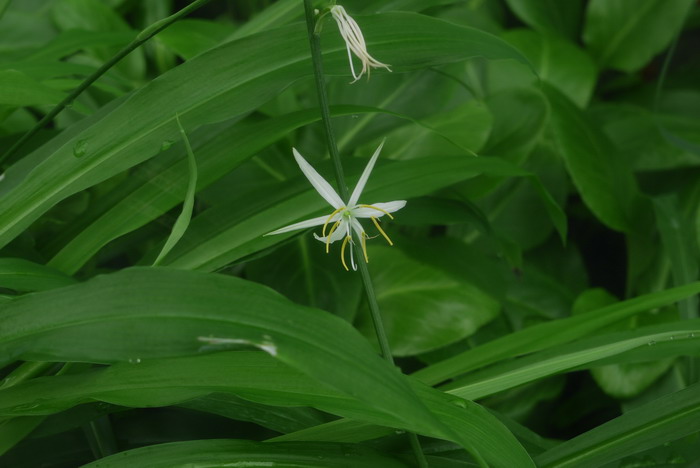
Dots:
pixel 322 187
pixel 389 207
pixel 365 175
pixel 338 234
pixel 357 227
pixel 301 225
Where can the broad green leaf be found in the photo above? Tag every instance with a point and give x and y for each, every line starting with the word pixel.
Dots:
pixel 663 420
pixel 543 336
pixel 18 89
pixel 627 34
pixel 183 220
pixel 240 76
pixel 247 453
pixel 520 116
pixel 606 185
pixel 424 308
pixel 629 380
pixel 258 377
pixel 558 62
pixel 170 313
pixel 550 16
pixel 22 275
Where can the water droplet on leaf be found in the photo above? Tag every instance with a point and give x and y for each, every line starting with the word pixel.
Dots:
pixel 166 144
pixel 80 148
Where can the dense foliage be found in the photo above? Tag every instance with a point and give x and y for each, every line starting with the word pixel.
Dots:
pixel 539 299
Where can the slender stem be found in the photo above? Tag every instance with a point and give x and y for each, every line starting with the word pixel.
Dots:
pixel 316 58
pixel 374 308
pixel 315 43
pixel 142 37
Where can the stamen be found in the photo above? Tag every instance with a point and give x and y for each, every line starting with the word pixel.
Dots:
pixel 364 246
pixel 328 239
pixel 376 223
pixel 342 252
pixel 378 209
pixel 323 232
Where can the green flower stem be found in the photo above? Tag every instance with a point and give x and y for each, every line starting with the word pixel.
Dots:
pixel 142 37
pixel 315 43
pixel 316 58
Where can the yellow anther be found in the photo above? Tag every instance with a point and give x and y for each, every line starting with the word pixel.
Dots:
pixel 364 246
pixel 378 209
pixel 342 252
pixel 325 225
pixel 328 239
pixel 376 223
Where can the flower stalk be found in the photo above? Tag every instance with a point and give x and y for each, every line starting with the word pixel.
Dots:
pixel 316 58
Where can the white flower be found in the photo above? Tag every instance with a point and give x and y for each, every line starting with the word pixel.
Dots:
pixel 343 220
pixel 355 42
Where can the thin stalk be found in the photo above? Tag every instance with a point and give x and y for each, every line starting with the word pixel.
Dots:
pixel 315 43
pixel 316 58
pixel 142 37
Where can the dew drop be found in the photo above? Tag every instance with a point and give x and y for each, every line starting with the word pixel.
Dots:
pixel 651 343
pixel 135 361
pixel 166 144
pixel 80 148
pixel 399 432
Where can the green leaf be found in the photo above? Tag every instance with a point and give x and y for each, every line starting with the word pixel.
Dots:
pixel 422 307
pixel 606 185
pixel 239 76
pixel 539 337
pixel 248 453
pixel 22 275
pixel 169 313
pixel 558 62
pixel 183 221
pixel 558 359
pixel 18 89
pixel 191 37
pixel 655 423
pixel 679 242
pixel 627 34
pixel 550 16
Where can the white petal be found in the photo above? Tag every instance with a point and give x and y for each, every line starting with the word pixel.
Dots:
pixel 357 227
pixel 389 207
pixel 322 187
pixel 338 234
pixel 365 175
pixel 300 225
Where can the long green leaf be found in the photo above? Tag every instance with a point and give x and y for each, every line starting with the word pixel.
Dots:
pixel 549 334
pixel 23 275
pixel 559 359
pixel 662 420
pixel 215 452
pixel 255 376
pixel 170 313
pixel 183 220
